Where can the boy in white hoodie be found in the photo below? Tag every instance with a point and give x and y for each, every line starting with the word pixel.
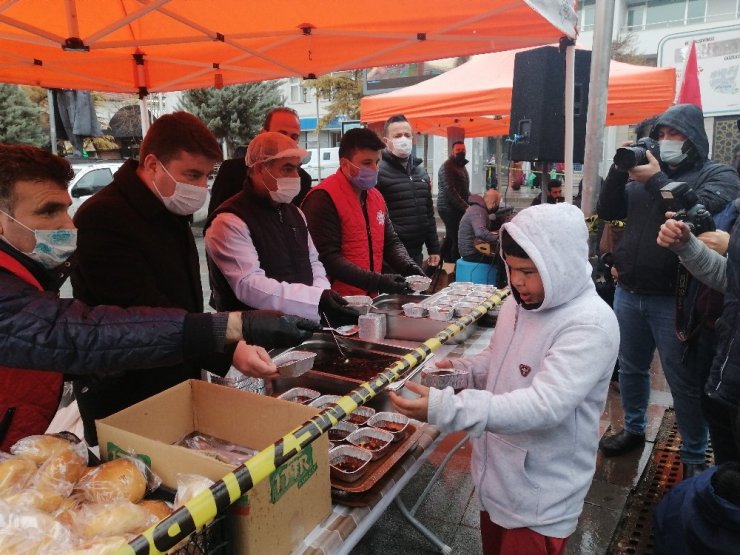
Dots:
pixel 537 391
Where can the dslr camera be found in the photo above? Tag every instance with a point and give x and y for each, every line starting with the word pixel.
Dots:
pixel 627 157
pixel 683 199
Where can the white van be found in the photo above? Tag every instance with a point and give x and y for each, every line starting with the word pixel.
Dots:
pixel 89 178
pixel 326 158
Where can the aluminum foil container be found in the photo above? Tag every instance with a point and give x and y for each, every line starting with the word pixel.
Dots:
pixel 463 308
pixel 301 395
pixel 372 327
pixel 391 422
pixel 340 456
pixel 361 437
pixel 418 283
pixel 360 415
pixel 324 402
pixel 444 377
pixel 441 312
pixel 292 364
pixel 341 430
pixel 475 298
pixel 414 310
pixel 361 303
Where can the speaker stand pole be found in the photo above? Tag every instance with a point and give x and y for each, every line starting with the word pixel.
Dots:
pixel 570 71
pixel 596 115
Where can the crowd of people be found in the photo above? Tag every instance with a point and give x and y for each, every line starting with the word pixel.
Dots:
pixel 282 256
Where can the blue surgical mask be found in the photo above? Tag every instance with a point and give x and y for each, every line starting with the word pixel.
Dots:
pixel 366 178
pixel 671 152
pixel 53 246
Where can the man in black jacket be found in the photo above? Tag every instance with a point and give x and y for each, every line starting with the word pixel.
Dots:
pixel 646 274
pixel 136 248
pixel 407 190
pixel 452 198
pixel 232 172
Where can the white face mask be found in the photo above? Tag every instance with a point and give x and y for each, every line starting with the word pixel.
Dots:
pixel 670 152
pixel 401 146
pixel 53 246
pixel 187 199
pixel 287 188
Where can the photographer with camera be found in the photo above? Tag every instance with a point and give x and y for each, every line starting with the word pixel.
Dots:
pixel 646 273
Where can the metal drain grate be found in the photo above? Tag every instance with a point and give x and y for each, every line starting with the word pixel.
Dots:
pixel 634 534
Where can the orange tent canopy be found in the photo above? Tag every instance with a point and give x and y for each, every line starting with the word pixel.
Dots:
pixel 164 45
pixel 477 97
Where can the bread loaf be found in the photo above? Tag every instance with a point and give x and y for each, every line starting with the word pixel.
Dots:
pixel 15 474
pixel 39 448
pixel 114 480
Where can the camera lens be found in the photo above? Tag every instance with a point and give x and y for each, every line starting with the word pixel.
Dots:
pixel 628 157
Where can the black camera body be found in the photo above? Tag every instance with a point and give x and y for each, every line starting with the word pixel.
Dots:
pixel 683 199
pixel 627 157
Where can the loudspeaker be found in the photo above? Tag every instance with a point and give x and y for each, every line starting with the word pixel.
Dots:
pixel 537 107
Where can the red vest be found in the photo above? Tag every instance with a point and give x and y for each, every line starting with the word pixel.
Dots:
pixel 355 229
pixel 34 394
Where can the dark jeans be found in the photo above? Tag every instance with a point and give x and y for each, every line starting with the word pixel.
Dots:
pixel 449 245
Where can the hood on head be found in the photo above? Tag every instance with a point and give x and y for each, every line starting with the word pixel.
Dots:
pixel 689 120
pixel 555 237
pixel 477 199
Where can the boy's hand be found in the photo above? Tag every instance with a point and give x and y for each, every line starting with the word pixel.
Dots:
pixel 413 408
pixel 673 233
pixel 252 360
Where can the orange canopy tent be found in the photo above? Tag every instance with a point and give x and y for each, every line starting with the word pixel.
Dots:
pixel 163 45
pixel 477 97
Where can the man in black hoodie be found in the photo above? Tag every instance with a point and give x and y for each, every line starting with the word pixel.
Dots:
pixel 644 299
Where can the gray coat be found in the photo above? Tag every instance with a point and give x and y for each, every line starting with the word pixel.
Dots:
pixel 474 226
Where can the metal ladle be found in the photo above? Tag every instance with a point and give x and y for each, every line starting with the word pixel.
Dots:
pixel 336 339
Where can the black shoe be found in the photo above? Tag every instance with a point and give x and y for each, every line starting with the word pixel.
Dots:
pixel 693 469
pixel 621 443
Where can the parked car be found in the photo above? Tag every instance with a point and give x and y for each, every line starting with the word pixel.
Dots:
pixel 89 178
pixel 328 159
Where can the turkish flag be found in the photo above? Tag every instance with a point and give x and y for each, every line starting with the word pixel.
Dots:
pixel 689 91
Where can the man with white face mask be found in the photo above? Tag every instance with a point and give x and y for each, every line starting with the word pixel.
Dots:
pixel 43 336
pixel 644 300
pixel 136 248
pixel 259 251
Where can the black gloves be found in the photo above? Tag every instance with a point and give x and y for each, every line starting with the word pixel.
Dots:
pixel 270 329
pixel 333 307
pixel 392 283
pixel 414 271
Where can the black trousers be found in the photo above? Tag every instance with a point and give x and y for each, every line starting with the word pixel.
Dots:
pixel 450 252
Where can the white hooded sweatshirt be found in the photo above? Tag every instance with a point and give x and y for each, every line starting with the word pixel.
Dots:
pixel 541 384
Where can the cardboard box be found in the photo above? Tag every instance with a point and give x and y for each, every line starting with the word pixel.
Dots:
pixel 277 513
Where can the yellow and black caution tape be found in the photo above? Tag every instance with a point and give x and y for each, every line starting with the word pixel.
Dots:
pixel 205 506
pixel 592 223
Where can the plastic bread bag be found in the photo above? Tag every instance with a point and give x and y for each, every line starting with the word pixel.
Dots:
pixel 15 473
pixel 188 486
pixel 39 448
pixel 99 546
pixel 123 478
pixel 219 449
pixel 60 472
pixel 99 520
pixel 26 531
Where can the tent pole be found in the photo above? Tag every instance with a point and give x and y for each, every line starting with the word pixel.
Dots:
pixel 570 59
pixel 144 112
pixel 52 121
pixel 596 117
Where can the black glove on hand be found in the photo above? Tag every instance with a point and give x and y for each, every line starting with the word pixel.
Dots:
pixel 270 329
pixel 392 283
pixel 333 307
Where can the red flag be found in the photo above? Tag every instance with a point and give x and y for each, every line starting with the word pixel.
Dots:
pixel 689 91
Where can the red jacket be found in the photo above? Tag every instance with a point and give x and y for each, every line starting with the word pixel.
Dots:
pixel 28 398
pixel 360 230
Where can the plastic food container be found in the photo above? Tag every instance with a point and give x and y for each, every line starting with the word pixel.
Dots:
pixel 418 283
pixel 361 303
pixel 390 422
pixel 348 463
pixel 301 395
pixel 414 310
pixel 360 415
pixel 292 364
pixel 341 430
pixel 371 439
pixel 444 377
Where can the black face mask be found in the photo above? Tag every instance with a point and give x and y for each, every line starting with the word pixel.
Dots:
pixel 459 158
